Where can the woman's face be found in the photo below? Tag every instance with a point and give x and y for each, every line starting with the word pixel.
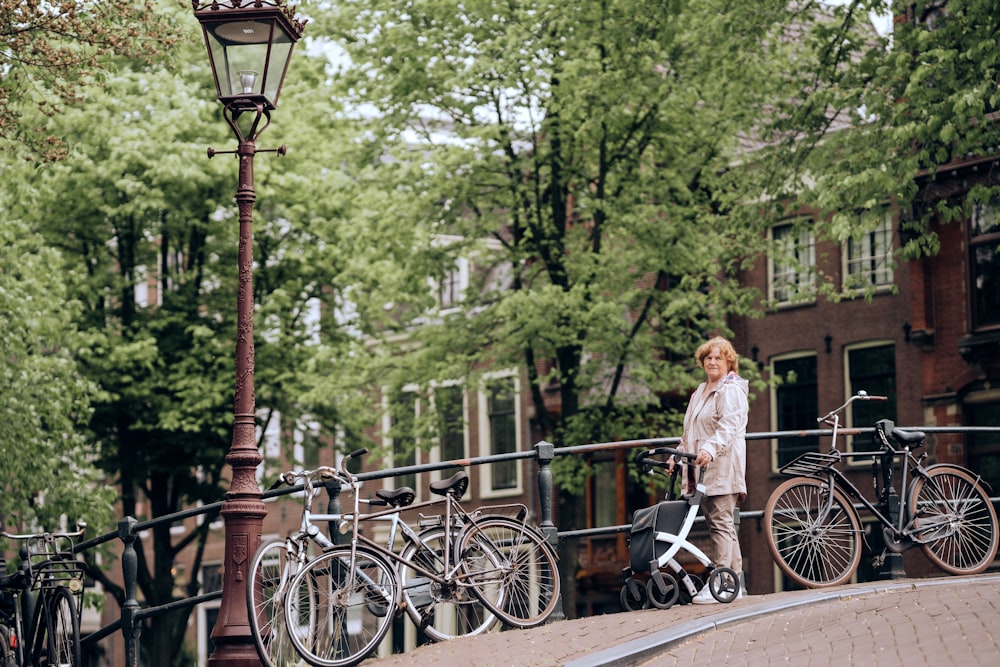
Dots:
pixel 716 366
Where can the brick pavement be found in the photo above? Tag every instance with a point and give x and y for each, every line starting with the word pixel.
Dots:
pixel 945 622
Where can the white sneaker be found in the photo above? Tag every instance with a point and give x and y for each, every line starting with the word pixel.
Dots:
pixel 704 596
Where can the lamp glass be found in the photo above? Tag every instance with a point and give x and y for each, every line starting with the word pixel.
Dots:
pixel 249 57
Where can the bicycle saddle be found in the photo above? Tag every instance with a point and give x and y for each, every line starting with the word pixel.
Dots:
pixel 400 497
pixel 455 485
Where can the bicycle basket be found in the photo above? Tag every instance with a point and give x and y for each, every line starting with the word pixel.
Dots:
pixel 665 517
pixel 58 572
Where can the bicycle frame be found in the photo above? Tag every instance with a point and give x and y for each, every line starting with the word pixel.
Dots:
pixel 454 516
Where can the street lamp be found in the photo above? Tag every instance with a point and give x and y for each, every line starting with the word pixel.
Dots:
pixel 249 46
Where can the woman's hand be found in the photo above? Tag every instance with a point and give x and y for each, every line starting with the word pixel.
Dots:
pixel 703 458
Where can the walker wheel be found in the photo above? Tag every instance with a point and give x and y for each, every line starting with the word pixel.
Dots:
pixel 665 597
pixel 724 584
pixel 633 595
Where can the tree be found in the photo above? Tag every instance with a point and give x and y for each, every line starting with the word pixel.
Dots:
pixel 52 50
pixel 593 160
pixel 137 208
pixel 49 473
pixel 925 99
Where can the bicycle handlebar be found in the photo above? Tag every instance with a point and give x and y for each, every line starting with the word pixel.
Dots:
pixel 860 396
pixel 81 528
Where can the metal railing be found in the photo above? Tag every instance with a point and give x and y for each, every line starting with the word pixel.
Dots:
pixel 133 614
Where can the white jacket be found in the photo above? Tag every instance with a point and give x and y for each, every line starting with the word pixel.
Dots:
pixel 716 421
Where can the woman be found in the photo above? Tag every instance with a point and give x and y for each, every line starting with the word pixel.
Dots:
pixel 715 426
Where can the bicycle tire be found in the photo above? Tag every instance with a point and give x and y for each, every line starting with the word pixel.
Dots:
pixel 443 611
pixel 57 638
pixel 949 502
pixel 336 620
pixel 271 574
pixel 528 577
pixel 815 550
pixel 6 654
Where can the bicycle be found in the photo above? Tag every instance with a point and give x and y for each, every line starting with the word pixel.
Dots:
pixel 814 530
pixel 440 613
pixel 339 607
pixel 40 602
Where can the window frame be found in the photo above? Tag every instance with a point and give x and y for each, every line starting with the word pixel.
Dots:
pixel 880 261
pixel 886 410
pixel 800 287
pixel 977 240
pixel 486 447
pixel 389 441
pixel 436 453
pixel 774 391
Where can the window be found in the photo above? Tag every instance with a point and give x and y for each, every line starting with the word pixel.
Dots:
pixel 452 285
pixel 500 418
pixel 869 258
pixel 796 405
pixel 451 422
pixel 208 612
pixel 983 409
pixel 793 263
pixel 984 263
pixel 872 368
pixel 402 434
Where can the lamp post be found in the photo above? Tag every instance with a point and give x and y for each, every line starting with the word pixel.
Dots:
pixel 249 46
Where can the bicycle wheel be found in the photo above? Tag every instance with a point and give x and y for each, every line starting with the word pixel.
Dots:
pixel 442 610
pixel 337 615
pixel 267 586
pixel 57 639
pixel 955 521
pixel 523 589
pixel 6 655
pixel 815 545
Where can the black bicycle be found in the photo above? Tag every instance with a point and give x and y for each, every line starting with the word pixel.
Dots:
pixel 40 602
pixel 814 530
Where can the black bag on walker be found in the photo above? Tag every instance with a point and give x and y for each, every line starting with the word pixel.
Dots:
pixel 665 517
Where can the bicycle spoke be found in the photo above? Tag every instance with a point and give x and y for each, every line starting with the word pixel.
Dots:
pixel 339 609
pixel 526 574
pixel 815 542
pixel 954 520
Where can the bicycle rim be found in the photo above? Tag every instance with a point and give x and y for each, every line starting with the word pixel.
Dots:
pixel 527 576
pixel 443 611
pixel 816 548
pixel 954 520
pixel 57 643
pixel 271 575
pixel 336 616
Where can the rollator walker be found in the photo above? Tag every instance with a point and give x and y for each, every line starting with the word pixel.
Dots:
pixel 659 533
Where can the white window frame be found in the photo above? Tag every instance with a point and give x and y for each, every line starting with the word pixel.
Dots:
pixel 485 440
pixel 792 282
pixel 435 452
pixel 867 262
pixel 204 631
pixel 388 443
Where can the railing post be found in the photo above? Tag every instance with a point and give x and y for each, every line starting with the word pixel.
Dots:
pixel 892 566
pixel 333 507
pixel 130 567
pixel 545 452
